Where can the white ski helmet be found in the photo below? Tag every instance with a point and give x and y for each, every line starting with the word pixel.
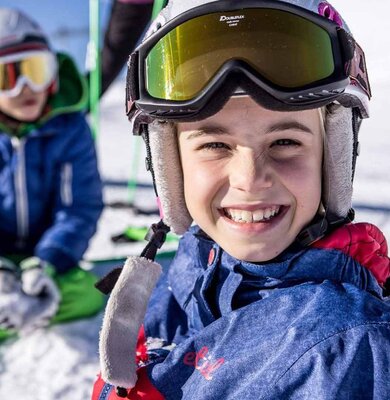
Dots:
pixel 20 33
pixel 153 109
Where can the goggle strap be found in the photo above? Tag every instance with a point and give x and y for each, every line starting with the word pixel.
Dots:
pixel 132 92
pixel 358 71
pixel 34 44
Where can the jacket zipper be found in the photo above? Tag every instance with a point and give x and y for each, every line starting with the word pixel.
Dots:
pixel 21 198
pixel 66 184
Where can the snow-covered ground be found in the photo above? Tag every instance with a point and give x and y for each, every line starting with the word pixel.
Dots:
pixel 60 363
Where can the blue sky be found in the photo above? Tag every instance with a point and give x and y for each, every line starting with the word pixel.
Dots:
pixel 65 21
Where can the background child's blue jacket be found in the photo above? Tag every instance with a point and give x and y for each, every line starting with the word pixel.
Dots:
pixel 50 189
pixel 311 324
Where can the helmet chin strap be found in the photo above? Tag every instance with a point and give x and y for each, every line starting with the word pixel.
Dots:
pixel 155 236
pixel 321 226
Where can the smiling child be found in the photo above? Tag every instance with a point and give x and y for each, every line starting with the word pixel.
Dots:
pixel 250 112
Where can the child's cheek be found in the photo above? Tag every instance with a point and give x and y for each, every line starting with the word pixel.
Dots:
pixel 299 170
pixel 302 178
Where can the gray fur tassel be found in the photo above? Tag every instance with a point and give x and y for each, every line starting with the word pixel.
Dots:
pixel 124 315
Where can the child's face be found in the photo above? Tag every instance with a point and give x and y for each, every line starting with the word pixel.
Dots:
pixel 252 177
pixel 26 107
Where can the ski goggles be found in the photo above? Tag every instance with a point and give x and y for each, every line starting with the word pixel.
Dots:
pixel 295 56
pixel 37 69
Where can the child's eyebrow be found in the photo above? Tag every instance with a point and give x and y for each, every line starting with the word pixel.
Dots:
pixel 207 130
pixel 276 127
pixel 287 126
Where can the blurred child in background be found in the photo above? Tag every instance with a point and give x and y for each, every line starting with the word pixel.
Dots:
pixel 50 191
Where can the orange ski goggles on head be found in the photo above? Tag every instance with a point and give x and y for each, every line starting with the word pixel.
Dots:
pixel 37 69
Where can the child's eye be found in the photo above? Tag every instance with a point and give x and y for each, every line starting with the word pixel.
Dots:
pixel 284 142
pixel 214 146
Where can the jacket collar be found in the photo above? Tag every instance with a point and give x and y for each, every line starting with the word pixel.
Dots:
pixel 226 283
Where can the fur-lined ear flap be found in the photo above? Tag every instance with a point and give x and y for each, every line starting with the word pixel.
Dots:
pixel 338 151
pixel 124 315
pixel 169 176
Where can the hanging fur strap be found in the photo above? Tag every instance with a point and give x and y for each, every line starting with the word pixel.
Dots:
pixel 130 287
pixel 123 318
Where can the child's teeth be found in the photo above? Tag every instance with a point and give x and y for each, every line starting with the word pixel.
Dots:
pixel 244 216
pixel 236 215
pixel 258 215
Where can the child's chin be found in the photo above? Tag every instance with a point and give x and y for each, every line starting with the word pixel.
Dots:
pixel 29 117
pixel 255 253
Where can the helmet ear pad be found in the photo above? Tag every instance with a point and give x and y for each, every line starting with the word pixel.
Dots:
pixel 168 176
pixel 337 168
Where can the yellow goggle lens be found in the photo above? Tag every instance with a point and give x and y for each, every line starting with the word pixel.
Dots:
pixel 287 50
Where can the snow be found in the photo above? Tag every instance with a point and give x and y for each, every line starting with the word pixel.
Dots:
pixel 56 363
pixel 61 362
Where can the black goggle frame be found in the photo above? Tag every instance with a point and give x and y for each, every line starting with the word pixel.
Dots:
pixel 348 57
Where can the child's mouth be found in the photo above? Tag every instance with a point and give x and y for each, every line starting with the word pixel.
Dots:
pixel 249 217
pixel 29 103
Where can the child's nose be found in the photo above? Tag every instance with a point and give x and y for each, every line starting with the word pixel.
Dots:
pixel 26 89
pixel 250 173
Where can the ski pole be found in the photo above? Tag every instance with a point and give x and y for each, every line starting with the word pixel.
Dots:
pixel 94 64
pixel 158 5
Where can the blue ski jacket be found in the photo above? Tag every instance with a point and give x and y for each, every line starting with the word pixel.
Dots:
pixel 50 189
pixel 310 324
